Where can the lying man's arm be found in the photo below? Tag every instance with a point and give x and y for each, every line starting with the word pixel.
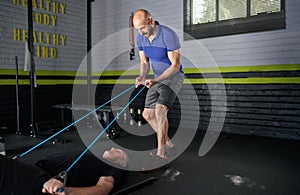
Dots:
pixel 103 187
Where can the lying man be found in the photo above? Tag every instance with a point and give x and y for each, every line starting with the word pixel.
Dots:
pixel 89 176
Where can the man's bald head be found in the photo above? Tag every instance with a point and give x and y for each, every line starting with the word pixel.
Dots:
pixel 144 23
pixel 142 17
pixel 142 14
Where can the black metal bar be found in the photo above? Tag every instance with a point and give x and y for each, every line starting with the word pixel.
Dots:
pixel 248 8
pixel 17 96
pixel 32 70
pixel 217 10
pixel 89 47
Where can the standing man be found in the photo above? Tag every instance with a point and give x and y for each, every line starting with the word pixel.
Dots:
pixel 159 46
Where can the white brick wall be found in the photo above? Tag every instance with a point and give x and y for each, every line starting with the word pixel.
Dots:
pixel 72 24
pixel 110 18
pixel 260 48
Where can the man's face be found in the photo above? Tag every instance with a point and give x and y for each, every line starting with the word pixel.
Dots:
pixel 114 155
pixel 144 27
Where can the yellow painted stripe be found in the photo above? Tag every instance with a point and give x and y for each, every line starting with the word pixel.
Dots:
pixel 117 73
pixel 113 81
pixel 42 82
pixel 67 82
pixel 252 80
pixel 71 73
pixel 232 69
pixel 235 69
pixel 38 72
pixel 13 82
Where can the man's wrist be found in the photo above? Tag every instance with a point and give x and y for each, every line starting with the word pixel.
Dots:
pixel 154 81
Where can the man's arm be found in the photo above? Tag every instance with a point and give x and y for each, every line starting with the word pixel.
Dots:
pixel 103 187
pixel 144 68
pixel 174 57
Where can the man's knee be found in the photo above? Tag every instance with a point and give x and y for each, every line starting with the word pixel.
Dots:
pixel 147 114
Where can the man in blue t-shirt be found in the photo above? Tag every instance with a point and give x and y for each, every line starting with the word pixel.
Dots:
pixel 159 47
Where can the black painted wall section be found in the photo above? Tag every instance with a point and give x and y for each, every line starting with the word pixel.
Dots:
pixel 46 98
pixel 265 110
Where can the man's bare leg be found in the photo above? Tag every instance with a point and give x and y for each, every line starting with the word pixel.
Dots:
pixel 157 118
pixel 161 112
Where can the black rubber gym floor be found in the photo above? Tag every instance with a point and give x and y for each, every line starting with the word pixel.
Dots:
pixel 235 165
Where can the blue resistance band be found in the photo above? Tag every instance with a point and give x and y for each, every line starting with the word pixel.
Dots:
pixel 98 137
pixel 41 143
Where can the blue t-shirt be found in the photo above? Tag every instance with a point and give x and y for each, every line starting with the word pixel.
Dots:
pixel 164 41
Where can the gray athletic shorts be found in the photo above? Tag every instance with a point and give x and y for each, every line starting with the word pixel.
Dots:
pixel 164 92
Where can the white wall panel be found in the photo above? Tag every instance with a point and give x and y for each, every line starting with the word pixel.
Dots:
pixel 71 24
pixel 259 48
